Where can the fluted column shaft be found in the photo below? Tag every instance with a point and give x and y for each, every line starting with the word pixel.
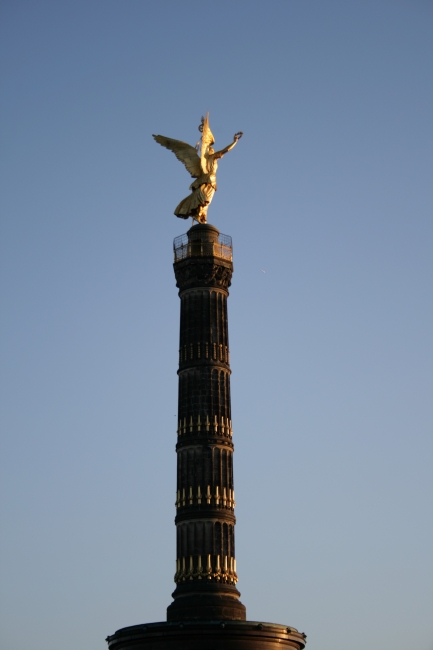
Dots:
pixel 205 521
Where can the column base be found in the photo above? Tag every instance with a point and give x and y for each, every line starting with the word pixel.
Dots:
pixel 204 601
pixel 201 635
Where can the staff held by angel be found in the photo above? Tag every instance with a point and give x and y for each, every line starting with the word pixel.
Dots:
pixel 202 163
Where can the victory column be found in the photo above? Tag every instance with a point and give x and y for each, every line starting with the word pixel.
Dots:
pixel 206 611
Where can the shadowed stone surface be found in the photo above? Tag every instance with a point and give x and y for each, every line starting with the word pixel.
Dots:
pixel 206 613
pixel 210 635
pixel 205 522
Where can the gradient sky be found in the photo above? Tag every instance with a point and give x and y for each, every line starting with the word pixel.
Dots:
pixel 328 198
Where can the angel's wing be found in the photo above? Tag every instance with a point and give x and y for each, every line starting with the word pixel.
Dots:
pixel 183 152
pixel 207 139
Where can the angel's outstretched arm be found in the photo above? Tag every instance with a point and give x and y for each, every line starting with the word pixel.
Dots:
pixel 220 154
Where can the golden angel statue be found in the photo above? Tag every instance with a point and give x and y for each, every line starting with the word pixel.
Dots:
pixel 202 162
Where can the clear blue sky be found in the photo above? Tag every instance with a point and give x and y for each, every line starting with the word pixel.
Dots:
pixel 330 193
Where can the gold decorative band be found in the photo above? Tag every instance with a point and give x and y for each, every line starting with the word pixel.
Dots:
pixel 224 497
pixel 205 350
pixel 221 425
pixel 213 568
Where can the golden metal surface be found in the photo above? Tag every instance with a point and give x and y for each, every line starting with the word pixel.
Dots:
pixel 202 163
pixel 211 569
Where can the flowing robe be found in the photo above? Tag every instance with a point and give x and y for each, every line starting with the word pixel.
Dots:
pixel 203 189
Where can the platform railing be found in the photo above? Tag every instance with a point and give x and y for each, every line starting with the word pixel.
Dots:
pixel 184 248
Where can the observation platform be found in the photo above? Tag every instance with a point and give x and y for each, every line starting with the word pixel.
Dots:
pixel 203 240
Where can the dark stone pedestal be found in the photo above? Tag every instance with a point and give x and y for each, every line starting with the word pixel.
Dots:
pixel 206 602
pixel 207 635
